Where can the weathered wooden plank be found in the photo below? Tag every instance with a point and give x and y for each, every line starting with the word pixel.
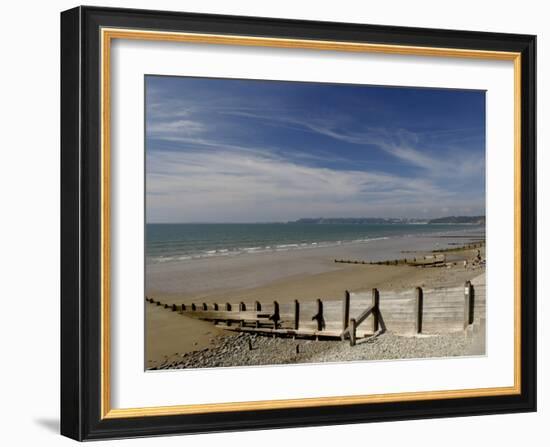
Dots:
pixel 288 332
pixel 442 328
pixel 408 318
pixel 444 310
pixel 227 315
pixel 363 316
pixel 443 319
pixel 445 306
pixel 385 295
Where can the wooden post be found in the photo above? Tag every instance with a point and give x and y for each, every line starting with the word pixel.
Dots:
pixel 375 309
pixel 352 332
pixel 345 310
pixel 319 315
pixel 418 307
pixel 276 316
pixel 468 304
pixel 193 306
pixel 183 307
pixel 204 306
pixel 216 307
pixel 227 306
pixel 158 303
pixel 296 314
pixel 165 306
pixel 174 307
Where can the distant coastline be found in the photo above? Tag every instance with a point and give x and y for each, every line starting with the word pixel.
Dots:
pixel 463 220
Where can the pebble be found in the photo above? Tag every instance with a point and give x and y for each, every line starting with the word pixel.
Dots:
pixel 234 351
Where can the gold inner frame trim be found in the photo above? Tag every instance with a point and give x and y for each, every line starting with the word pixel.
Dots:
pixel 107 35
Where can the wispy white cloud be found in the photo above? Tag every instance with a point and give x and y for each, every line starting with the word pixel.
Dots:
pixel 400 143
pixel 177 128
pixel 246 186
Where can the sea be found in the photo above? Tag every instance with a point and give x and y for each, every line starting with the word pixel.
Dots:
pixel 181 242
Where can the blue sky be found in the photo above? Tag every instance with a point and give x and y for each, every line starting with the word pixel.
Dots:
pixel 221 150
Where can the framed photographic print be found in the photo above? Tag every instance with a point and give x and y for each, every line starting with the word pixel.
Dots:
pixel 275 223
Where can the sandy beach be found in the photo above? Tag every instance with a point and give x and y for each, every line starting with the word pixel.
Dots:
pixel 213 278
pixel 284 276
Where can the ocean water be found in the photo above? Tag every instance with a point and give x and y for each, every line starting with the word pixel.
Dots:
pixel 178 242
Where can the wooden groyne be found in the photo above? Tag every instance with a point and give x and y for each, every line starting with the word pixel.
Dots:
pixel 436 259
pixel 354 316
pixel 471 246
pixel 420 261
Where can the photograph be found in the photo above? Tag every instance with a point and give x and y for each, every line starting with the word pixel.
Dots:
pixel 275 221
pixel 293 222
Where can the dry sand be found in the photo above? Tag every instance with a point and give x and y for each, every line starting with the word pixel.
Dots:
pixel 284 277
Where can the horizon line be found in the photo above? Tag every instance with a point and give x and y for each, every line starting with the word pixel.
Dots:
pixel 304 218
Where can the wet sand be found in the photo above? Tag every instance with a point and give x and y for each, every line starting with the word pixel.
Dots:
pixel 219 275
pixel 170 334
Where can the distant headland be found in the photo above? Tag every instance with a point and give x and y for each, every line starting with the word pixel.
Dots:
pixel 471 220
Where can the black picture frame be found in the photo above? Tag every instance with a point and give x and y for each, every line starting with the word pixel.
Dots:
pixel 81 208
